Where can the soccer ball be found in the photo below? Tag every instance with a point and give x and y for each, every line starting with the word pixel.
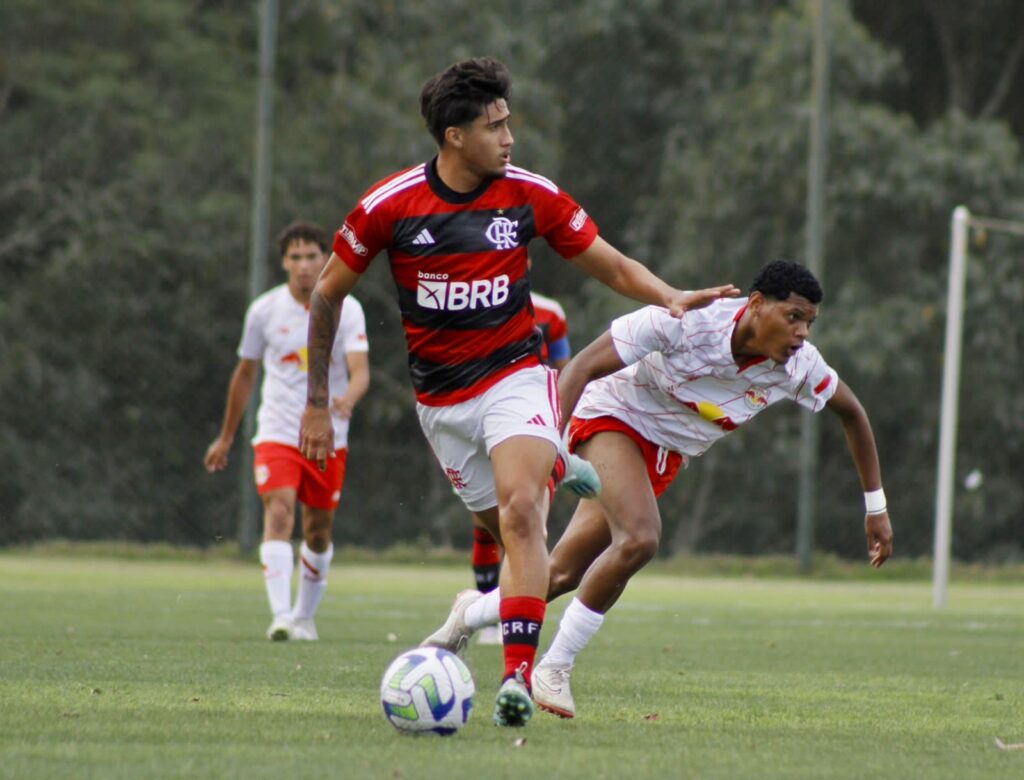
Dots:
pixel 427 690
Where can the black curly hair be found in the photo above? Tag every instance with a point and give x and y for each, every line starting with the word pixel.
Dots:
pixel 779 278
pixel 459 94
pixel 300 230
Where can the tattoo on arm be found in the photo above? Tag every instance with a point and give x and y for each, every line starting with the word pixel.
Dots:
pixel 323 324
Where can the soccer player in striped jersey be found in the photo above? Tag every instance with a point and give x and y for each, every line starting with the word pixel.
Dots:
pixel 550 319
pixel 456 231
pixel 274 336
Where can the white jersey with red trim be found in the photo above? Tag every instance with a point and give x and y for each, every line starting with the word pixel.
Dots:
pixel 275 331
pixel 682 389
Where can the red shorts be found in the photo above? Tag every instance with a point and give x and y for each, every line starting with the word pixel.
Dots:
pixel 279 466
pixel 662 464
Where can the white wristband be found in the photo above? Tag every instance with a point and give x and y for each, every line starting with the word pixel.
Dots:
pixel 874 502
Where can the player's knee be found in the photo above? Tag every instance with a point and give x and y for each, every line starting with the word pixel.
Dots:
pixel 639 547
pixel 521 517
pixel 316 529
pixel 278 518
pixel 562 580
pixel 317 543
pixel 318 540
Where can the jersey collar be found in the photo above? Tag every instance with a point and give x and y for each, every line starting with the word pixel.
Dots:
pixel 727 345
pixel 446 193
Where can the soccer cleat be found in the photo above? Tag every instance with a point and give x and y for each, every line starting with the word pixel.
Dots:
pixel 281 629
pixel 489 635
pixel 580 477
pixel 513 707
pixel 304 629
pixel 551 689
pixel 454 634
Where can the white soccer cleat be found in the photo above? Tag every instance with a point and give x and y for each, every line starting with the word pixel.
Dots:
pixel 580 477
pixel 513 707
pixel 454 634
pixel 489 635
pixel 304 629
pixel 551 689
pixel 281 629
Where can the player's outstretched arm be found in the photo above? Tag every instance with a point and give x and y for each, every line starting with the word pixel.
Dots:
pixel 597 359
pixel 243 379
pixel 634 280
pixel 316 434
pixel 861 442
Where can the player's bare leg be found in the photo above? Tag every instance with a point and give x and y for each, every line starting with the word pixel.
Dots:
pixel 583 540
pixel 487 555
pixel 522 467
pixel 609 542
pixel 277 558
pixel 634 522
pixel 314 561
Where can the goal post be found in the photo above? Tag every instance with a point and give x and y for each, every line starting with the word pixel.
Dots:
pixel 961 223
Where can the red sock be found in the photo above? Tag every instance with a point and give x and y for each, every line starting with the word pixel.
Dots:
pixel 486 560
pixel 557 475
pixel 521 621
pixel 558 470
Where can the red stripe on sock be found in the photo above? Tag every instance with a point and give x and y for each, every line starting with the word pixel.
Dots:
pixel 529 607
pixel 483 536
pixel 558 471
pixel 486 551
pixel 525 608
pixel 484 555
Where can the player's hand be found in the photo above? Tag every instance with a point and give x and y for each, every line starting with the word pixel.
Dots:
pixel 683 302
pixel 879 533
pixel 216 458
pixel 342 407
pixel 316 435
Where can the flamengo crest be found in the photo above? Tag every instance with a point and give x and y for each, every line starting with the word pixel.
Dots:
pixel 503 233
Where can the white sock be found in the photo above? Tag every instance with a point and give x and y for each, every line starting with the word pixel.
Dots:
pixel 578 626
pixel 312 580
pixel 485 611
pixel 278 562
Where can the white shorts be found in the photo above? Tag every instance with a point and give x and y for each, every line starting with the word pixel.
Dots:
pixel 462 435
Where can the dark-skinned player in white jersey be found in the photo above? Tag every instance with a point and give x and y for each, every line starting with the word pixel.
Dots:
pixel 654 390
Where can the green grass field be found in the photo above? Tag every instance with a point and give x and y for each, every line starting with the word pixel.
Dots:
pixel 131 668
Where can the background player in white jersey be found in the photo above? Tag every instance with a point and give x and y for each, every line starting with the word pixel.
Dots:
pixel 550 319
pixel 275 335
pixel 656 390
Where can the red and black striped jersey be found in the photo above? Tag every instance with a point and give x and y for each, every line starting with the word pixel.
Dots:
pixel 459 261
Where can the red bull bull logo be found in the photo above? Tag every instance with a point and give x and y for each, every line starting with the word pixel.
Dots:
pixel 756 398
pixel 299 359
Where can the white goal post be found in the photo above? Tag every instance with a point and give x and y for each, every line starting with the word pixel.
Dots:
pixel 962 222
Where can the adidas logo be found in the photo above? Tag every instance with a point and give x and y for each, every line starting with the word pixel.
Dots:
pixel 536 420
pixel 423 238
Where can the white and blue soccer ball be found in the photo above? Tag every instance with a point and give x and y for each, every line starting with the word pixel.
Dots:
pixel 427 690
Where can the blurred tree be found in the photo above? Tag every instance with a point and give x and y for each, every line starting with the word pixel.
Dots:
pixel 723 190
pixel 955 56
pixel 124 206
pixel 125 141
